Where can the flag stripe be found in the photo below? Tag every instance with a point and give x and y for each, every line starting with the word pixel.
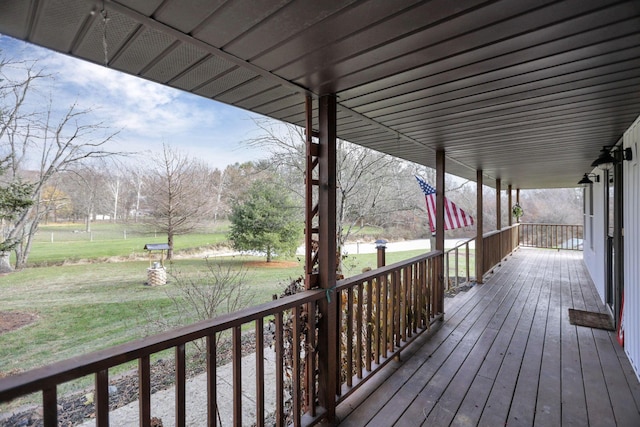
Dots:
pixel 431 211
pixel 453 216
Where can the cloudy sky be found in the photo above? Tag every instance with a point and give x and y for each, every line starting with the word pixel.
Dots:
pixel 147 114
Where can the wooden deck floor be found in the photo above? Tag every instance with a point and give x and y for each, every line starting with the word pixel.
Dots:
pixel 506 354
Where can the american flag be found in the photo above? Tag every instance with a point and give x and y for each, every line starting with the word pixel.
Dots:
pixel 453 216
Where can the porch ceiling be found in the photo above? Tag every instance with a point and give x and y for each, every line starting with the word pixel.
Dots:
pixel 527 91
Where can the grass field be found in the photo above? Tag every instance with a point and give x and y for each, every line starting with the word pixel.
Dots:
pixel 54 244
pixel 84 302
pixel 101 299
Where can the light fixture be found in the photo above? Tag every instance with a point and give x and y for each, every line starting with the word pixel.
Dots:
pixel 607 160
pixel 586 181
pixel 381 244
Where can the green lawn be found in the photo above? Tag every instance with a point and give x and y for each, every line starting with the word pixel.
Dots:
pixel 87 306
pixel 55 244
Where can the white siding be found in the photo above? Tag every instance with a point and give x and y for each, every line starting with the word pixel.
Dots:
pixel 595 241
pixel 631 315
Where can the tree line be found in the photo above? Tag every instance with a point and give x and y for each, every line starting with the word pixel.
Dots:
pixel 55 167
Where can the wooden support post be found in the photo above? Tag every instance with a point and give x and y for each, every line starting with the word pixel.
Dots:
pixel 440 200
pixel 381 250
pixel 327 325
pixel 479 228
pixel 311 243
pixel 518 201
pixel 311 209
pixel 440 170
pixel 499 214
pixel 498 204
pixel 510 204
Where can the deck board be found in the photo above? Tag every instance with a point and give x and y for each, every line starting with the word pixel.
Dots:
pixel 548 410
pixel 517 328
pixel 506 354
pixel 425 402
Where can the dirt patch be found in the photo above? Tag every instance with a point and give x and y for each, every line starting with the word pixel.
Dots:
pixel 272 264
pixel 12 320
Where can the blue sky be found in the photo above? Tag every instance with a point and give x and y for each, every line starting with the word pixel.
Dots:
pixel 147 114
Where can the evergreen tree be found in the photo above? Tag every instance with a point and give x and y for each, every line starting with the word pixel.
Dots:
pixel 15 198
pixel 266 221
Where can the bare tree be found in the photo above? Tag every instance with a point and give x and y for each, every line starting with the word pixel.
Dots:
pixel 371 185
pixel 179 194
pixel 85 183
pixel 373 188
pixel 57 202
pixel 35 131
pixel 233 183
pixel 124 183
pixel 113 172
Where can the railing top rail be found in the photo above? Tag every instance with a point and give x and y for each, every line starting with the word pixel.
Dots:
pixel 464 242
pixel 372 274
pixel 77 367
pixel 549 224
pixel 503 229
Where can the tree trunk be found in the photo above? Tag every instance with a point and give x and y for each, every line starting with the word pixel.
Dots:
pixel 116 195
pixel 138 197
pixel 219 197
pixel 25 245
pixel 170 243
pixel 268 254
pixel 5 264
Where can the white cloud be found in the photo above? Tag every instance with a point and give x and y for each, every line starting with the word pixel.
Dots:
pixel 147 113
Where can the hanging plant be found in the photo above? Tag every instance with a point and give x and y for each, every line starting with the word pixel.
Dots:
pixel 517 211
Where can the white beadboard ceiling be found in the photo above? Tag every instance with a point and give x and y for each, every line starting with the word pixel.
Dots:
pixel 526 91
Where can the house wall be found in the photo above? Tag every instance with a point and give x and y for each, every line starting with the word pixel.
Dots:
pixel 631 224
pixel 595 253
pixel 594 245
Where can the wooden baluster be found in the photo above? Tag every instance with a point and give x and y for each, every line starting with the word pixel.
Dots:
pixel 259 334
pixel 101 398
pixel 413 296
pixel 359 318
pixel 181 386
pixel 311 358
pixel 237 375
pixel 279 370
pixel 296 365
pixel 385 315
pixel 370 325
pixel 338 340
pixel 379 330
pixel 349 337
pixel 466 249
pixel 212 379
pixel 397 308
pixel 50 406
pixel 144 391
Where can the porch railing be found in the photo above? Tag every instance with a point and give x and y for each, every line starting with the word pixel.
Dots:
pixel 497 245
pixel 552 236
pixel 459 261
pixel 379 313
pixel 459 266
pixel 382 311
